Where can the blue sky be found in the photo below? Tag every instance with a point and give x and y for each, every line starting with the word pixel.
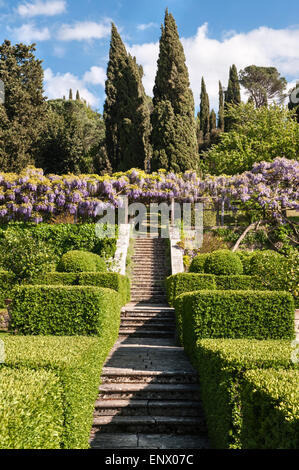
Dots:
pixel 73 36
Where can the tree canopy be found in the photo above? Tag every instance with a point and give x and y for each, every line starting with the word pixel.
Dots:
pixel 263 84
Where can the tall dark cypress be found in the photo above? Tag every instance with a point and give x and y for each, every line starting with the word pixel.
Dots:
pixel 233 93
pixel 174 129
pixel 213 120
pixel 126 110
pixel 221 108
pixel 204 114
pixel 71 95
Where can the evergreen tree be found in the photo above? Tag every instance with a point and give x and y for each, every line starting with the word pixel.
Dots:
pixel 23 112
pixel 204 114
pixel 71 95
pixel 78 96
pixel 221 108
pixel 233 94
pixel 213 121
pixel 174 128
pixel 293 100
pixel 126 110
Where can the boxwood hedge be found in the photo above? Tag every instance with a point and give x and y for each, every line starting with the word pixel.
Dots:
pixel 81 261
pixel 64 310
pixel 223 262
pixel 77 363
pixel 221 365
pixel 7 283
pixel 187 282
pixel 270 410
pixel 31 410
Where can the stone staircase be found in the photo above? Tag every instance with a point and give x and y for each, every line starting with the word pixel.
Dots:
pixel 149 397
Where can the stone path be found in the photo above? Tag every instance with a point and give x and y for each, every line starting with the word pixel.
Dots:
pixel 149 397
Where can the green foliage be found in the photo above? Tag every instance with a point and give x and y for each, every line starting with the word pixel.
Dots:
pixel 188 282
pixel 174 129
pixel 232 96
pixel 25 256
pixel 236 314
pixel 77 362
pixel 198 262
pixel 73 137
pixel 238 282
pixel 221 108
pixel 113 281
pixel 263 84
pixel 245 257
pixel 222 365
pixel 257 134
pixel 270 409
pixel 223 262
pixel 7 283
pixel 31 413
pixel 126 110
pixel 22 116
pixel 204 114
pixel 277 272
pixel 57 279
pixel 62 238
pixel 78 261
pixel 64 310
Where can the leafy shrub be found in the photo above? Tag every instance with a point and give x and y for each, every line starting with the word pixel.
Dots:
pixel 197 264
pixel 188 282
pixel 212 242
pixel 31 413
pixel 270 410
pixel 80 262
pixel 113 281
pixel 277 272
pixel 221 365
pixel 77 362
pixel 245 257
pixel 24 256
pixel 7 283
pixel 64 310
pixel 238 283
pixel 223 262
pixel 64 237
pixel 236 314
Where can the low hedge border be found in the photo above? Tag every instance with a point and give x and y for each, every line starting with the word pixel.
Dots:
pixel 235 314
pixel 64 310
pixel 113 281
pixel 31 412
pixel 77 363
pixel 270 409
pixel 221 365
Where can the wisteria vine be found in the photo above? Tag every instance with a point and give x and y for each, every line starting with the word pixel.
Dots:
pixel 32 196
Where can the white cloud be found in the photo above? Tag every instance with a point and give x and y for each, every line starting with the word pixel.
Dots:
pixel 58 85
pixel 28 33
pixel 143 27
pixel 96 76
pixel 85 30
pixel 48 8
pixel 212 58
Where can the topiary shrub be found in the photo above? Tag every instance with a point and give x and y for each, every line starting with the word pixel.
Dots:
pixel 245 257
pixel 197 264
pixel 81 262
pixel 187 282
pixel 223 262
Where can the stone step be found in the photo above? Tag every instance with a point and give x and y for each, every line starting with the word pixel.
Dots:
pixel 160 315
pixel 143 332
pixel 147 376
pixel 149 391
pixel 179 408
pixel 127 322
pixel 150 424
pixel 148 441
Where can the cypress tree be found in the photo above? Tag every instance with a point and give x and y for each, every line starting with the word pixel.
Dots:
pixel 126 110
pixel 204 114
pixel 213 120
pixel 174 128
pixel 71 95
pixel 233 93
pixel 78 96
pixel 221 108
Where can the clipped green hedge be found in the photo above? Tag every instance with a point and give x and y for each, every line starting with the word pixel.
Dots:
pixel 64 310
pixel 236 314
pixel 187 282
pixel 80 262
pixel 113 281
pixel 221 364
pixel 245 257
pixel 31 412
pixel 197 263
pixel 270 409
pixel 7 283
pixel 223 262
pixel 238 282
pixel 77 363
